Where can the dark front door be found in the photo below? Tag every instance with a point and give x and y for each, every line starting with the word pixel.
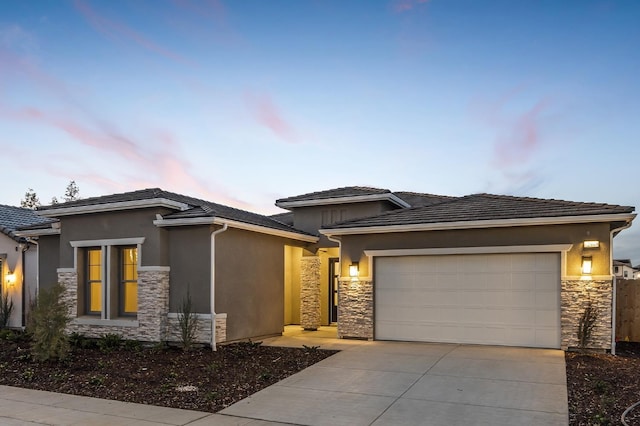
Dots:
pixel 334 276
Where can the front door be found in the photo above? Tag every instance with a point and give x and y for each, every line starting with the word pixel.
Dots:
pixel 334 276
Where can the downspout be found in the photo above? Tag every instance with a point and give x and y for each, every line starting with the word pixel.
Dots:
pixel 615 290
pixel 213 284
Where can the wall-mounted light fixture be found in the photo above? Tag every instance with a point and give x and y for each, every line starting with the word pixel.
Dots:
pixel 587 264
pixel 591 244
pixel 10 279
pixel 353 270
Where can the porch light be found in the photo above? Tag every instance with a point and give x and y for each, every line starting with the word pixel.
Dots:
pixel 11 279
pixel 586 264
pixel 353 270
pixel 591 244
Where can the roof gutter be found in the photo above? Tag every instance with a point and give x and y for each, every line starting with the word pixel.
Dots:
pixel 388 196
pixel 107 207
pixel 213 220
pixel 471 224
pixel 212 299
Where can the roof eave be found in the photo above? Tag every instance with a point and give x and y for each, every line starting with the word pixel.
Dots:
pixel 107 207
pixel 210 220
pixel 344 200
pixel 37 232
pixel 479 224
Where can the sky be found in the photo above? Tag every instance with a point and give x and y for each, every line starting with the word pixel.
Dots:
pixel 244 102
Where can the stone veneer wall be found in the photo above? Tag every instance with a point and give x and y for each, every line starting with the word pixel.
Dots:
pixel 310 292
pixel 355 309
pixel 153 305
pixel 573 299
pixel 203 334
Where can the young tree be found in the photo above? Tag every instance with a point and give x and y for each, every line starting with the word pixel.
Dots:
pixel 54 200
pixel 30 200
pixel 72 192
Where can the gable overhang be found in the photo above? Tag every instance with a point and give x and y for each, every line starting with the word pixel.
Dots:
pixel 37 232
pixel 163 223
pixel 394 199
pixel 110 207
pixel 481 224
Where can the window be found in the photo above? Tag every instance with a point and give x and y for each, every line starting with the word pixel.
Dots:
pixel 615 269
pixel 626 274
pixel 108 277
pixel 128 281
pixel 94 281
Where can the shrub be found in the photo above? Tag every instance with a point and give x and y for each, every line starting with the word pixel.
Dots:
pixel 187 323
pixel 6 308
pixel 47 321
pixel 586 324
pixel 110 342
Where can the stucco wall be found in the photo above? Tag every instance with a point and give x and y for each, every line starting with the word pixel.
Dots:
pixel 309 219
pixel 12 263
pixel 48 260
pixel 353 246
pixel 249 273
pixel 189 256
pixel 113 225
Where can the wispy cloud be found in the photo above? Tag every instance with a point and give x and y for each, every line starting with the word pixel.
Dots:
pixel 267 114
pixel 147 165
pixel 401 6
pixel 16 38
pixel 520 139
pixel 115 29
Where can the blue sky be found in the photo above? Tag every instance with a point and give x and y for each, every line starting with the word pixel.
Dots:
pixel 243 102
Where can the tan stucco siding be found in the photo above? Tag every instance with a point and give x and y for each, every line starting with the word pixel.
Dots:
pixel 353 246
pixel 113 225
pixel 249 280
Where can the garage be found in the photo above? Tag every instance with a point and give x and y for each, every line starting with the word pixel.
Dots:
pixel 496 299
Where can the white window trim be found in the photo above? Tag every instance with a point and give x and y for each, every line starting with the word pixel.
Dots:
pixel 106 317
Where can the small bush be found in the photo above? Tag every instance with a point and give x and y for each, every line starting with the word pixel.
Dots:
pixel 133 345
pixel 586 324
pixel 6 308
pixel 110 342
pixel 47 321
pixel 187 323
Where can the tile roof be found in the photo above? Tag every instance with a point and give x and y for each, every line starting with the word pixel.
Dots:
pixel 197 208
pixel 347 191
pixel 479 207
pixel 13 218
pixel 286 218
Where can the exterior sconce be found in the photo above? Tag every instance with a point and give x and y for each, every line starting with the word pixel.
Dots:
pixel 11 279
pixel 591 244
pixel 353 270
pixel 587 264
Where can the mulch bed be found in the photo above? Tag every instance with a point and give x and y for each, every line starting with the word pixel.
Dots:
pixel 602 386
pixel 199 379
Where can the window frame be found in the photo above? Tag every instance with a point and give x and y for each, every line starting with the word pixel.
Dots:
pixel 110 277
pixel 122 282
pixel 88 281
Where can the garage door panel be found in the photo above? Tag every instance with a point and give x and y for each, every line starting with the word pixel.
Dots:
pixel 504 299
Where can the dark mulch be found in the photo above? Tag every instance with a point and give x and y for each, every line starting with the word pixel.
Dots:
pixel 601 386
pixel 153 375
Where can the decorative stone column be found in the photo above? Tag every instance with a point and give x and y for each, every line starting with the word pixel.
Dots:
pixel 310 292
pixel 574 298
pixel 355 309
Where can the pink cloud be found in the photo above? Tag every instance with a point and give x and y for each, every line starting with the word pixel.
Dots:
pixel 406 5
pixel 113 29
pixel 521 138
pixel 267 114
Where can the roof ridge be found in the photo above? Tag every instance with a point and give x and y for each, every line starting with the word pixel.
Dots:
pixel 546 200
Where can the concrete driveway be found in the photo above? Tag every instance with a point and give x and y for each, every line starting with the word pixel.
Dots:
pixel 397 383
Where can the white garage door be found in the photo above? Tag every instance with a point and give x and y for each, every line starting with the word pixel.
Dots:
pixel 496 299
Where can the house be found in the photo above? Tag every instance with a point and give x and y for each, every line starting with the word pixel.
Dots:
pixel 17 261
pixel 484 269
pixel 622 268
